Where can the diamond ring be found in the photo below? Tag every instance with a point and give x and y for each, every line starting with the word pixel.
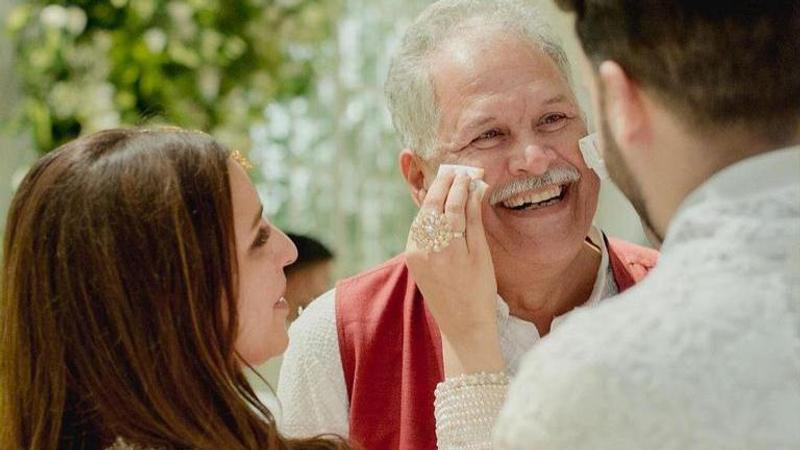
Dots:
pixel 431 231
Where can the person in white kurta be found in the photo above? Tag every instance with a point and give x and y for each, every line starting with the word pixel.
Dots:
pixel 704 353
pixel 312 389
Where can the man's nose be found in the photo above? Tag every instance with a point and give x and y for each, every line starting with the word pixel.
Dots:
pixel 531 159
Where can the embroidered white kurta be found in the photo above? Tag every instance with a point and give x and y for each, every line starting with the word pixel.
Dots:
pixel 702 354
pixel 311 387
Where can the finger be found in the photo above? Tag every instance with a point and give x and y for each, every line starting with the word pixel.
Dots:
pixel 475 234
pixel 456 203
pixel 437 192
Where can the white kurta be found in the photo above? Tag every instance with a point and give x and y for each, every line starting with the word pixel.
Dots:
pixel 703 354
pixel 311 387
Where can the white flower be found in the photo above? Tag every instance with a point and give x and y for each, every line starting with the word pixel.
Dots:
pixel 97 107
pixel 76 20
pixel 54 16
pixel 63 99
pixel 235 47
pixel 144 8
pixel 210 42
pixel 108 119
pixel 155 39
pixel 102 40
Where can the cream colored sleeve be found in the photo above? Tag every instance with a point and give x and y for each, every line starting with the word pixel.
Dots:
pixel 466 408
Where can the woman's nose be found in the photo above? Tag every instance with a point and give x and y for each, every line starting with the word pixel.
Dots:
pixel 288 249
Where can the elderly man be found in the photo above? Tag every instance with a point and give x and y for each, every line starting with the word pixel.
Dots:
pixel 477 83
pixel 700 125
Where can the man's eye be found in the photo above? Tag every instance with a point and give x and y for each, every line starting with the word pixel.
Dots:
pixel 552 122
pixel 489 134
pixel 487 138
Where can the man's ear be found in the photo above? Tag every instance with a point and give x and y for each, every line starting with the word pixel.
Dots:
pixel 625 107
pixel 413 170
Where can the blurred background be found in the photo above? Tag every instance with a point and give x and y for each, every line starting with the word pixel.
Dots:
pixel 296 84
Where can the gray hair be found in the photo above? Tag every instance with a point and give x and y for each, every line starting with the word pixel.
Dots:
pixel 409 86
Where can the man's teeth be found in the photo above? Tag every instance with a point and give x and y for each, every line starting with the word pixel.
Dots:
pixel 532 198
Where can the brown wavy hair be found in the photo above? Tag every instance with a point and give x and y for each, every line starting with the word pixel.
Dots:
pixel 119 258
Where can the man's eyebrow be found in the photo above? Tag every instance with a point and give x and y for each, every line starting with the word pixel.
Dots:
pixel 477 123
pixel 557 99
pixel 258 217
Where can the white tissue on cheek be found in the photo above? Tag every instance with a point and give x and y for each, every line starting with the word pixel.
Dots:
pixel 475 173
pixel 591 155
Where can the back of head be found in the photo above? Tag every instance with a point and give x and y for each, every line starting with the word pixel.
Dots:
pixel 714 63
pixel 116 314
pixel 409 88
pixel 309 251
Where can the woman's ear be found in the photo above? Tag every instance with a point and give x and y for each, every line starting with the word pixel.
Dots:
pixel 413 171
pixel 624 105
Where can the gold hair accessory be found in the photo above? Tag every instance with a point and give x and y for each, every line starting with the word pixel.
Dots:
pixel 241 159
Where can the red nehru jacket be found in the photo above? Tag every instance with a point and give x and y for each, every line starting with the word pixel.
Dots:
pixel 391 349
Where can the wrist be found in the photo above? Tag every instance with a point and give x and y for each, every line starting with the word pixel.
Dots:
pixel 479 352
pixel 474 337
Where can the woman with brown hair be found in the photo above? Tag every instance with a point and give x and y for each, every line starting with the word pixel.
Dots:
pixel 139 279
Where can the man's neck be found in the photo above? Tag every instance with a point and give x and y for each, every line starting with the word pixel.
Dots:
pixel 542 290
pixel 686 161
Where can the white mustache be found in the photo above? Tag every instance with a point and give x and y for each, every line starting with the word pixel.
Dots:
pixel 553 177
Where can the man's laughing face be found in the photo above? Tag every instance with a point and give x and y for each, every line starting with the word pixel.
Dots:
pixel 506 107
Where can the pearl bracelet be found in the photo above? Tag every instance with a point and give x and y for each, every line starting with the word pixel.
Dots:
pixel 476 379
pixel 466 408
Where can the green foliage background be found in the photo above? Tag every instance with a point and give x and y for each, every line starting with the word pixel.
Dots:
pixel 213 65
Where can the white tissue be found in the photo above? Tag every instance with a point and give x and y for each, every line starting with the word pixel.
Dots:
pixel 591 155
pixel 475 173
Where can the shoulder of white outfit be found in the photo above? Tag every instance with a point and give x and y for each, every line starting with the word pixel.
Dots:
pixel 315 329
pixel 763 172
pixel 311 387
pixel 693 383
pixel 562 390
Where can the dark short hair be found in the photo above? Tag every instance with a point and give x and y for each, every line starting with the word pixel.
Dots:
pixel 716 63
pixel 309 251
